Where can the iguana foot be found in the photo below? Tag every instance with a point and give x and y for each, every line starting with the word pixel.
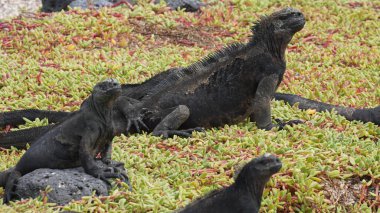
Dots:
pixel 136 122
pixel 181 133
pixel 116 167
pixel 8 196
pixel 10 187
pixel 196 129
pixel 133 113
pixel 106 173
pixel 115 172
pixel 113 163
pixel 282 124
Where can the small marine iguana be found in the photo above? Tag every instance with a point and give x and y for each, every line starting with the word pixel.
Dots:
pixel 74 142
pixel 242 196
pixel 364 115
pixel 226 87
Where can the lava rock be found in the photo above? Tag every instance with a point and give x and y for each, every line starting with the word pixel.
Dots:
pixel 58 5
pixel 188 5
pixel 96 4
pixel 49 6
pixel 65 184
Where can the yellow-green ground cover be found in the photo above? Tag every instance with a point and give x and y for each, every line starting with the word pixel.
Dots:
pixel 330 164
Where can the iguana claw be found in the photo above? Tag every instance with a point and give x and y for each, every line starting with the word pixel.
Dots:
pixel 281 124
pixel 181 133
pixel 136 123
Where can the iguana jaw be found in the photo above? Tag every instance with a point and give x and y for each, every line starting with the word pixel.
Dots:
pixel 107 90
pixel 266 165
pixel 297 24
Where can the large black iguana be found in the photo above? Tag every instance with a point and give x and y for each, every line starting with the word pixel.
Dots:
pixel 226 87
pixel 245 194
pixel 74 142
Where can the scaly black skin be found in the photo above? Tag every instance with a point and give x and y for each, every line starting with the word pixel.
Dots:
pixel 365 115
pixel 234 83
pixel 74 142
pixel 18 138
pixel 15 119
pixel 224 88
pixel 242 196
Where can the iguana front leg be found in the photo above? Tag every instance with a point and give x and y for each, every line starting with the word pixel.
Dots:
pixel 131 109
pixel 106 158
pixel 170 124
pixel 261 103
pixel 117 167
pixel 88 160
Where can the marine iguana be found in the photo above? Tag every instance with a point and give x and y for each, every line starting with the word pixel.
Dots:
pixel 245 194
pixel 364 115
pixel 226 87
pixel 74 142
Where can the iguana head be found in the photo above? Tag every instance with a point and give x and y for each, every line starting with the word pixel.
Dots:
pixel 106 91
pixel 281 24
pixel 288 20
pixel 264 166
pixel 257 172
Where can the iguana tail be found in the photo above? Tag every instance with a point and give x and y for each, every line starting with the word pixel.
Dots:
pixel 20 138
pixel 15 118
pixel 364 115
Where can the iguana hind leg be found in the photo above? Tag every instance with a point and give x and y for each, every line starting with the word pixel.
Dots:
pixel 169 126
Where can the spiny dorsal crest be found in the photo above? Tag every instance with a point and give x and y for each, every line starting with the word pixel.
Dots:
pixel 196 68
pixel 219 56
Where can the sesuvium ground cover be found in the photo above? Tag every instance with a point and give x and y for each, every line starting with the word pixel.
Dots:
pixel 51 61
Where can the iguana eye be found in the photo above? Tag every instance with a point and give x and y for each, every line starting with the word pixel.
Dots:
pixel 297 14
pixel 262 162
pixel 283 17
pixel 103 87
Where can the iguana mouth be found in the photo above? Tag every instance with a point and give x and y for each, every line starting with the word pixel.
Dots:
pixel 111 86
pixel 299 24
pixel 115 90
pixel 115 87
pixel 275 167
pixel 272 162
